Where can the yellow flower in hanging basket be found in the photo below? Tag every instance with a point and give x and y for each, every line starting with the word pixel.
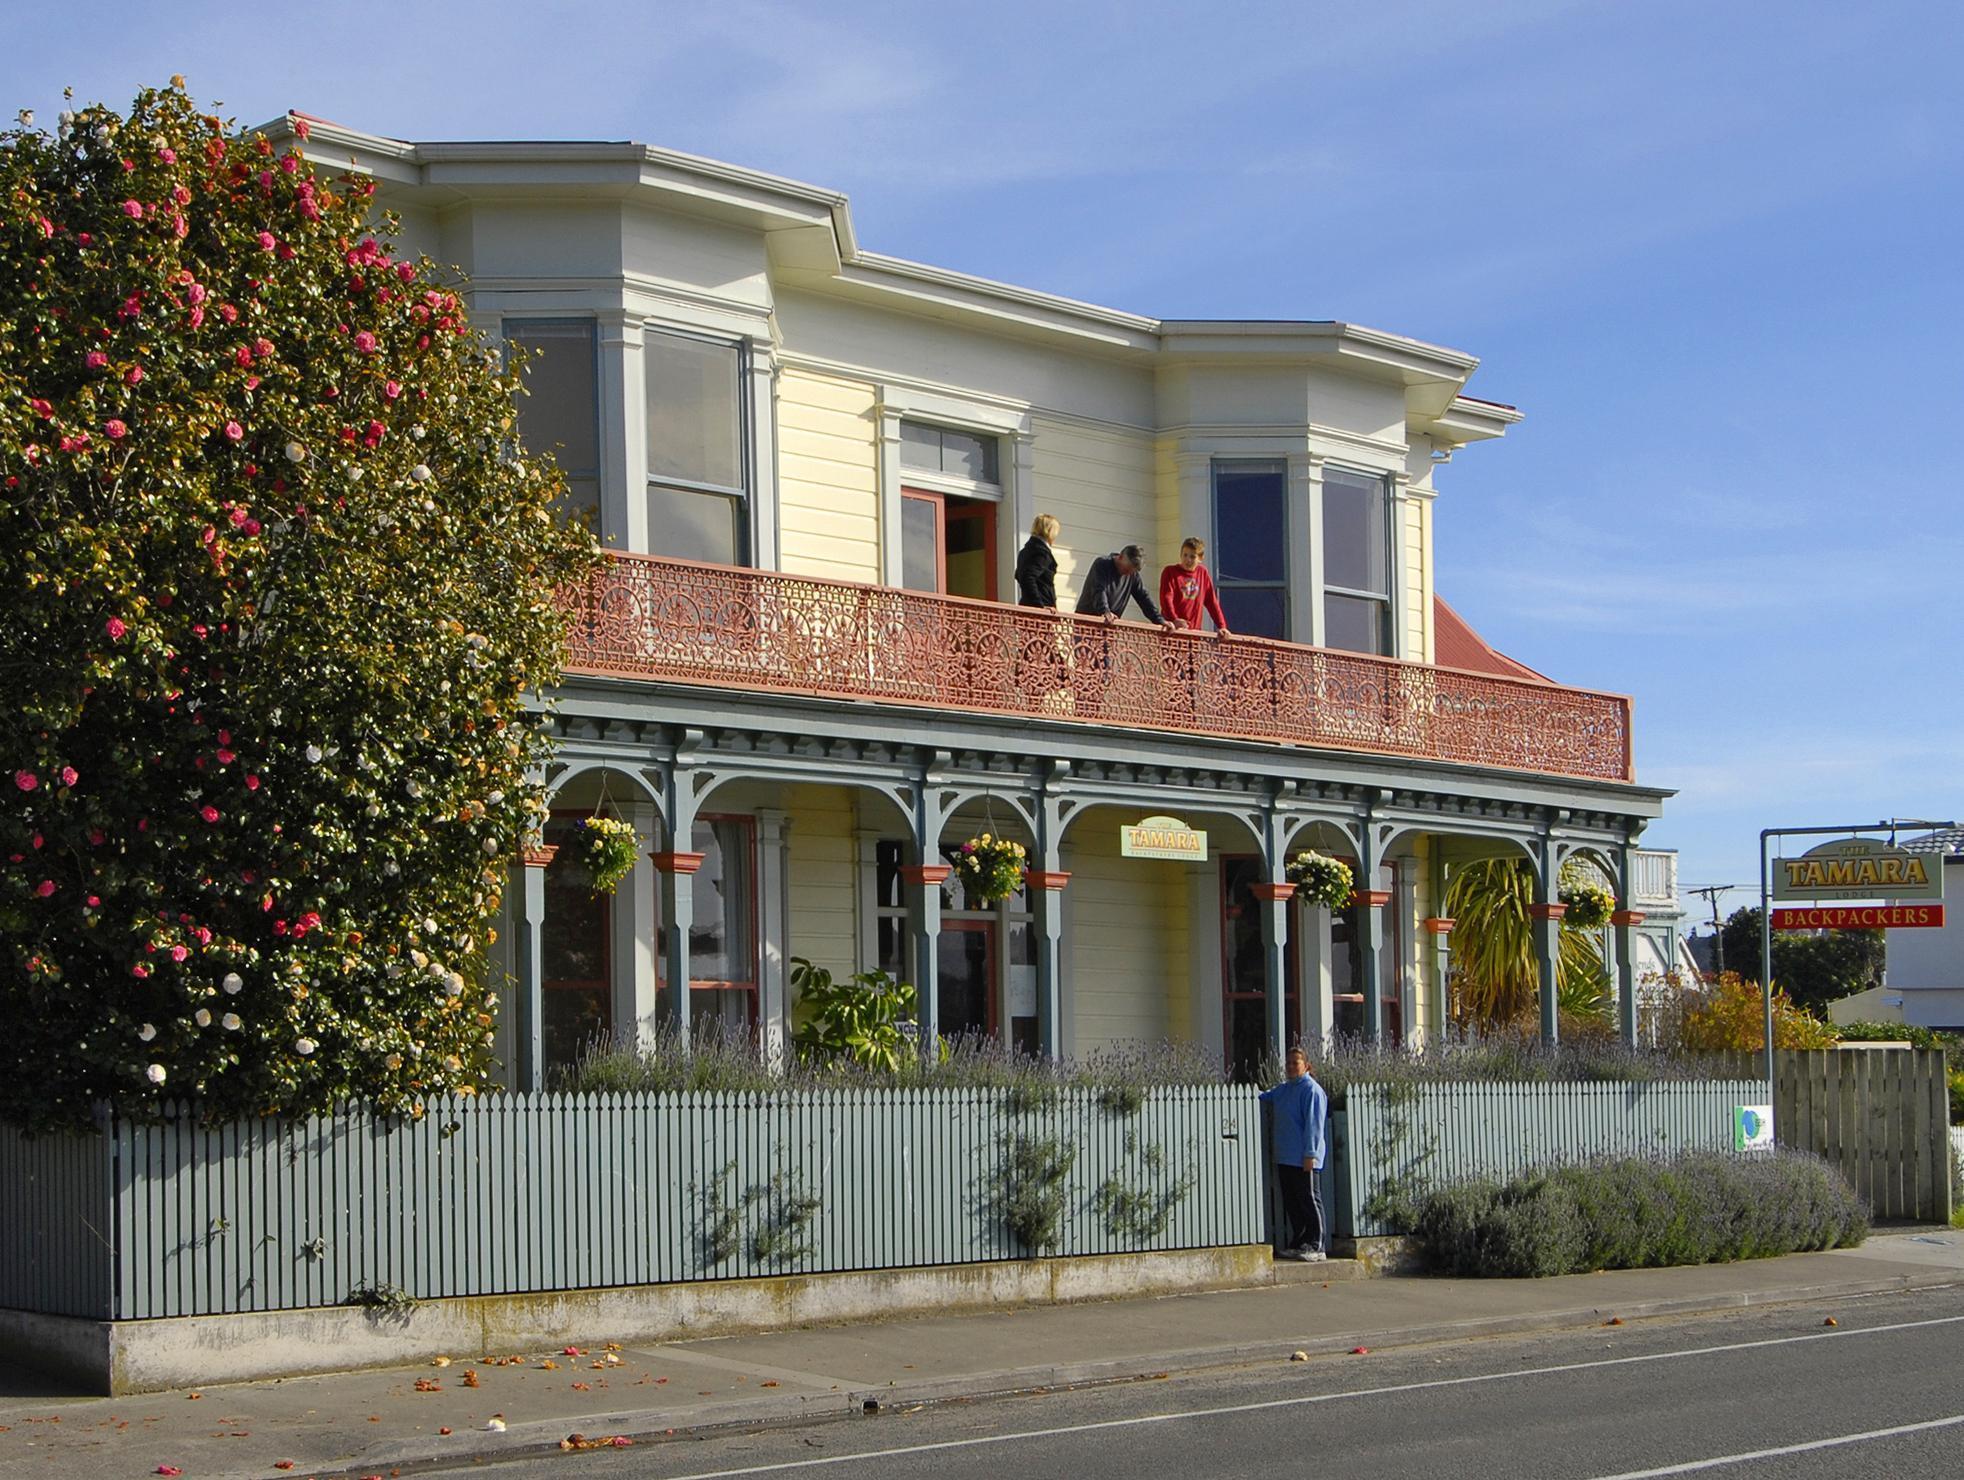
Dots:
pixel 607 849
pixel 990 868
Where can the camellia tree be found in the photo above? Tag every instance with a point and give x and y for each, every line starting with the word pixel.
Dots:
pixel 276 585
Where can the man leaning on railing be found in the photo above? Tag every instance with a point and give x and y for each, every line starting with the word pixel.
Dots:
pixel 1113 581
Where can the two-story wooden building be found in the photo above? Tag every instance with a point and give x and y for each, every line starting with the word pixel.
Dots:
pixel 804 682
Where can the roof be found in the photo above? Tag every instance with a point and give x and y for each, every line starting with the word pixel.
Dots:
pixel 1457 645
pixel 1948 841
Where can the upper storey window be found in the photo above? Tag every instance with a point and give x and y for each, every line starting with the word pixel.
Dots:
pixel 1251 546
pixel 1356 562
pixel 560 413
pixel 949 453
pixel 698 476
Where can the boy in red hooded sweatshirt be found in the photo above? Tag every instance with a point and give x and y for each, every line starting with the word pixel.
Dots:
pixel 1186 590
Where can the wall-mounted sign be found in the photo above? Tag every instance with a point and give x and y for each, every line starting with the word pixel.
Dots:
pixel 1862 917
pixel 1859 868
pixel 1752 1127
pixel 1163 837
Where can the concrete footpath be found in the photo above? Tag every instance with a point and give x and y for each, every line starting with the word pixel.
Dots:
pixel 505 1403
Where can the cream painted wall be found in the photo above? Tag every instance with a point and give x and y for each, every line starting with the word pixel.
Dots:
pixel 828 477
pixel 823 920
pixel 1102 484
pixel 1129 972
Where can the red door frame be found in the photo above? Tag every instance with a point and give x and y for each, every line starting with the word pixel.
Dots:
pixel 979 510
pixel 987 930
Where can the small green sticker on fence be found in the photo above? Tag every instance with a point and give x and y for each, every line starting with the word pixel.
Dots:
pixel 1752 1127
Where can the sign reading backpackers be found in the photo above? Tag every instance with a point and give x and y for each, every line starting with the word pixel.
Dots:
pixel 1859 868
pixel 1163 837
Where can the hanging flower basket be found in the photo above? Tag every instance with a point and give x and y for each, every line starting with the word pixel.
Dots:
pixel 607 849
pixel 1322 880
pixel 1589 906
pixel 990 868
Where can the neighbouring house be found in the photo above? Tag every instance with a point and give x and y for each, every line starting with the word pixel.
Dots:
pixel 802 680
pixel 1923 983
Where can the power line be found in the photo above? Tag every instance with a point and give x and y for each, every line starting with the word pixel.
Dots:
pixel 1710 894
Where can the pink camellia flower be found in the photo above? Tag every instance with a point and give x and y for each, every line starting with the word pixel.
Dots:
pixel 115 430
pixel 243 355
pixel 197 317
pixel 181 194
pixel 252 783
pixel 197 293
pixel 226 757
pixel 308 209
pixel 133 209
pixel 262 347
pixel 266 241
pixel 69 776
pixel 180 953
pixel 135 376
pixel 234 432
pixel 95 359
pixel 93 901
pixel 41 407
pixel 140 969
pixel 115 628
pixel 46 226
pixel 167 155
pixel 252 382
pixel 26 780
pixel 373 437
pixel 97 837
pixel 252 526
pixel 228 313
pixel 406 271
pixel 208 812
pixel 392 389
pixel 300 126
pixel 45 888
pixel 365 342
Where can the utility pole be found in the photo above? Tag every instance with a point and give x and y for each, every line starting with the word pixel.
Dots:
pixel 1710 894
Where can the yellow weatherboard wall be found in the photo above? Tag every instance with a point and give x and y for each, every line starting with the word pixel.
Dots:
pixel 1100 482
pixel 1127 942
pixel 823 924
pixel 828 476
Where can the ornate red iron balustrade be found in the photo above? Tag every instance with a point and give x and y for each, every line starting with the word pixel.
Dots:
pixel 678 622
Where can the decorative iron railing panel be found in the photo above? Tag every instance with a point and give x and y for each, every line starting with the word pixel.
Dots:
pixel 676 622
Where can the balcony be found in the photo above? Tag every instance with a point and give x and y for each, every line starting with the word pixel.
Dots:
pixel 1654 881
pixel 671 621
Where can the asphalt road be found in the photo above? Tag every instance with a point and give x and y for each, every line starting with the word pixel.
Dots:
pixel 1765 1393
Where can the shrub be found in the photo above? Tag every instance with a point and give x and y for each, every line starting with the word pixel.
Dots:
pixel 862 1021
pixel 274 586
pixel 1727 1014
pixel 1634 1213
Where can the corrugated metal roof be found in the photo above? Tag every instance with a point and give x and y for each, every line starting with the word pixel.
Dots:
pixel 1456 645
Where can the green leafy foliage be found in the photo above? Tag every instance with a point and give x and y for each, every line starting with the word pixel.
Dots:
pixel 608 851
pixel 274 586
pixel 1139 1210
pixel 991 868
pixel 1495 976
pixel 1638 1212
pixel 1813 969
pixel 1030 1195
pixel 858 1021
pixel 1321 880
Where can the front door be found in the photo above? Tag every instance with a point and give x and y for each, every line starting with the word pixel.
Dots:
pixel 966 968
pixel 947 544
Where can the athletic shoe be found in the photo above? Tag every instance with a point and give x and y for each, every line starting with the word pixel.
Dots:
pixel 1297 1254
pixel 1315 1256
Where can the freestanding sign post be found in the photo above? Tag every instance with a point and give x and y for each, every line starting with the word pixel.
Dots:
pixel 1849 867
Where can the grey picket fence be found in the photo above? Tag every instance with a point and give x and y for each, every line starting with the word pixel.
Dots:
pixel 532 1193
pixel 1435 1134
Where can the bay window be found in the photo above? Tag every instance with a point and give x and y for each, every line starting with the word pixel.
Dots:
pixel 698 474
pixel 1356 537
pixel 560 410
pixel 1251 546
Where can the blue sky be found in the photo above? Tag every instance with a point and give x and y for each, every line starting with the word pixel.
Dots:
pixel 1712 250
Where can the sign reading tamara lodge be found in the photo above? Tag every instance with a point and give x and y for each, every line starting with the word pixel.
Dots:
pixel 1859 868
pixel 1163 837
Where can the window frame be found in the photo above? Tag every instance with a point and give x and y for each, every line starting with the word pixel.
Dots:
pixel 938 478
pixel 1387 599
pixel 742 495
pixel 1224 583
pixel 751 944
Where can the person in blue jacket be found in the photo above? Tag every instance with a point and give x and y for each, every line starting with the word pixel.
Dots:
pixel 1300 1108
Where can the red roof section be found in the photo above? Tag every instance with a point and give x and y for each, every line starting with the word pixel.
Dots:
pixel 1456 645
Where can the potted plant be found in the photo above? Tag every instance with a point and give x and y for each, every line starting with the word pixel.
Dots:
pixel 606 848
pixel 1589 906
pixel 1320 879
pixel 991 868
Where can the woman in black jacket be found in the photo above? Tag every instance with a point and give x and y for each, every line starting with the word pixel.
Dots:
pixel 1036 567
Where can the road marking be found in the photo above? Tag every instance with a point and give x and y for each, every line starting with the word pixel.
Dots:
pixel 1690 1467
pixel 981 1440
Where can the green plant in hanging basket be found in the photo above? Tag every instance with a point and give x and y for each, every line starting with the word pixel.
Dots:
pixel 991 868
pixel 606 848
pixel 1320 879
pixel 1589 906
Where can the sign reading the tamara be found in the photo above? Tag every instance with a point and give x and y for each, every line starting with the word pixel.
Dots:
pixel 1861 917
pixel 1858 868
pixel 1163 837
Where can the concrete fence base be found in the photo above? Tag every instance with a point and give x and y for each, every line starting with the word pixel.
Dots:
pixel 119 1357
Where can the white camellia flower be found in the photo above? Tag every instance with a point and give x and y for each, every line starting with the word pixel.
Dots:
pixel 490 847
pixel 314 755
pixel 393 1061
pixel 495 798
pixel 295 453
pixel 155 1074
pixel 26 116
pixel 233 984
pixel 391 868
pixel 304 1046
pixel 418 432
pixel 420 473
pixel 231 1022
pixel 202 1017
pixel 414 788
pixel 454 984
pixel 147 1032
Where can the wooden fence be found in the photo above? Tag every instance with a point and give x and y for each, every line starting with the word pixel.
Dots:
pixel 1879 1116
